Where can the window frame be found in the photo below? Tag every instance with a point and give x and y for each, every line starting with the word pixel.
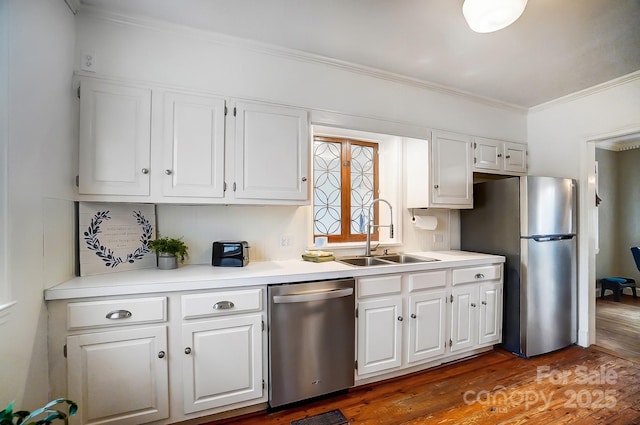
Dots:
pixel 345 235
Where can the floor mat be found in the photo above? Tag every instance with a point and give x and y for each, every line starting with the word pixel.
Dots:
pixel 334 417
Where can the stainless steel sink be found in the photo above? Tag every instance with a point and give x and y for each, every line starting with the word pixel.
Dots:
pixel 363 261
pixel 405 259
pixel 384 260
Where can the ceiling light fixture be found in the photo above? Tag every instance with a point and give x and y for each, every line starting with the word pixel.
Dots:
pixel 492 15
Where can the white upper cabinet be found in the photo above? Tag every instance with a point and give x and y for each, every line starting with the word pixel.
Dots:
pixel 271 152
pixel 193 149
pixel 150 144
pixel 439 173
pixel 499 157
pixel 115 139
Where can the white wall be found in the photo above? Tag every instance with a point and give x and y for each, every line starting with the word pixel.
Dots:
pixel 559 136
pixel 40 172
pixel 337 95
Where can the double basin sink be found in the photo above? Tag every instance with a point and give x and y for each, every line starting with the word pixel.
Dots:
pixel 384 260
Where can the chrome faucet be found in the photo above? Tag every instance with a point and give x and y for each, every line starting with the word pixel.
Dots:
pixel 371 224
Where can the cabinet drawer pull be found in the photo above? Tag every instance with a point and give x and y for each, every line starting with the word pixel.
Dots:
pixel 187 350
pixel 223 305
pixel 161 355
pixel 118 314
pixel 479 276
pixel 508 156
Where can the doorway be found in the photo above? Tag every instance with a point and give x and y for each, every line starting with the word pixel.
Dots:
pixel 617 226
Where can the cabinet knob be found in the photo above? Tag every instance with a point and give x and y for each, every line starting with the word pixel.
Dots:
pixel 118 314
pixel 187 350
pixel 304 179
pixel 413 315
pixel 499 155
pixel 145 171
pixel 400 319
pixel 473 304
pixel 435 186
pixel 484 303
pixel 168 172
pixel 161 355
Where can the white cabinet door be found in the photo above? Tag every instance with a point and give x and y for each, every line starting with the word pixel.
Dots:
pixel 427 321
pixel 487 154
pixel 379 334
pixel 119 377
pixel 515 158
pixel 490 313
pixel 464 314
pixel 115 139
pixel 451 170
pixel 271 152
pixel 193 149
pixel 222 362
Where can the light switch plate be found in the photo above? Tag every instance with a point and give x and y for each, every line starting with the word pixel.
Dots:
pixel 88 61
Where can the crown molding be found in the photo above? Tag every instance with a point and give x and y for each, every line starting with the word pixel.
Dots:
pixel 621 143
pixel 290 54
pixel 587 92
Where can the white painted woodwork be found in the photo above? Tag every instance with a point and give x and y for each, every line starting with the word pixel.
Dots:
pixel 115 139
pixel 490 331
pixel 488 154
pixel 464 329
pixel 427 324
pixel 193 148
pixel 379 285
pixel 476 274
pixel 271 152
pixel 499 157
pixel 379 337
pixel 118 377
pixel 104 312
pixel 224 365
pixel 206 304
pixel 515 157
pixel 451 170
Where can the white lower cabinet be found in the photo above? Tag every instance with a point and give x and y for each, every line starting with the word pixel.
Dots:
pixel 222 363
pixel 119 377
pixel 128 361
pixel 416 320
pixel 476 307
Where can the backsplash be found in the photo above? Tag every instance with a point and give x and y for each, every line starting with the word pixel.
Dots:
pixel 279 232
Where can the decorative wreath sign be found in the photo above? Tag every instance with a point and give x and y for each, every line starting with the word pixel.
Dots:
pixel 105 253
pixel 114 237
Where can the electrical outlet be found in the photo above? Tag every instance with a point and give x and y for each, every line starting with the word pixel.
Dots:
pixel 88 61
pixel 285 241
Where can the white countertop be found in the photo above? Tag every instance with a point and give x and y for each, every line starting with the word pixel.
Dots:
pixel 203 277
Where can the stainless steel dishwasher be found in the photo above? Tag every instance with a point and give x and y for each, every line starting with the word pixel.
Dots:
pixel 311 339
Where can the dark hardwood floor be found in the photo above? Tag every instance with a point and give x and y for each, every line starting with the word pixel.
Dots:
pixel 570 386
pixel 618 326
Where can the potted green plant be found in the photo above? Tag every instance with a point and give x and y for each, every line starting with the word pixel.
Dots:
pixel 24 417
pixel 169 250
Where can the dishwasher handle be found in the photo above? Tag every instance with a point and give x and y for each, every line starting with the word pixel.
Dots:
pixel 314 296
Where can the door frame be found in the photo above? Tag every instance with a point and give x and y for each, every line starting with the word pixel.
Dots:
pixel 587 231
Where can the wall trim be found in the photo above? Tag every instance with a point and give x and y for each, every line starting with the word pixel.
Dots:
pixel 588 91
pixel 290 54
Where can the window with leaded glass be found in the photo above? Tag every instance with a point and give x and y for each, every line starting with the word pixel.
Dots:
pixel 345 183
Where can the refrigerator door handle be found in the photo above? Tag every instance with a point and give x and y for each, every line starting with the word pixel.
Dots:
pixel 551 238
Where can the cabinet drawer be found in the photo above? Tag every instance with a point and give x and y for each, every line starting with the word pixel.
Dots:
pixel 477 274
pixel 419 281
pixel 221 303
pixel 383 285
pixel 116 312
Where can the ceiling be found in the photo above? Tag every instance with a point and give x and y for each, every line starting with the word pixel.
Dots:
pixel 557 47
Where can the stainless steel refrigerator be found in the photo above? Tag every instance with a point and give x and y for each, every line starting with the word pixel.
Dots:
pixel 532 222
